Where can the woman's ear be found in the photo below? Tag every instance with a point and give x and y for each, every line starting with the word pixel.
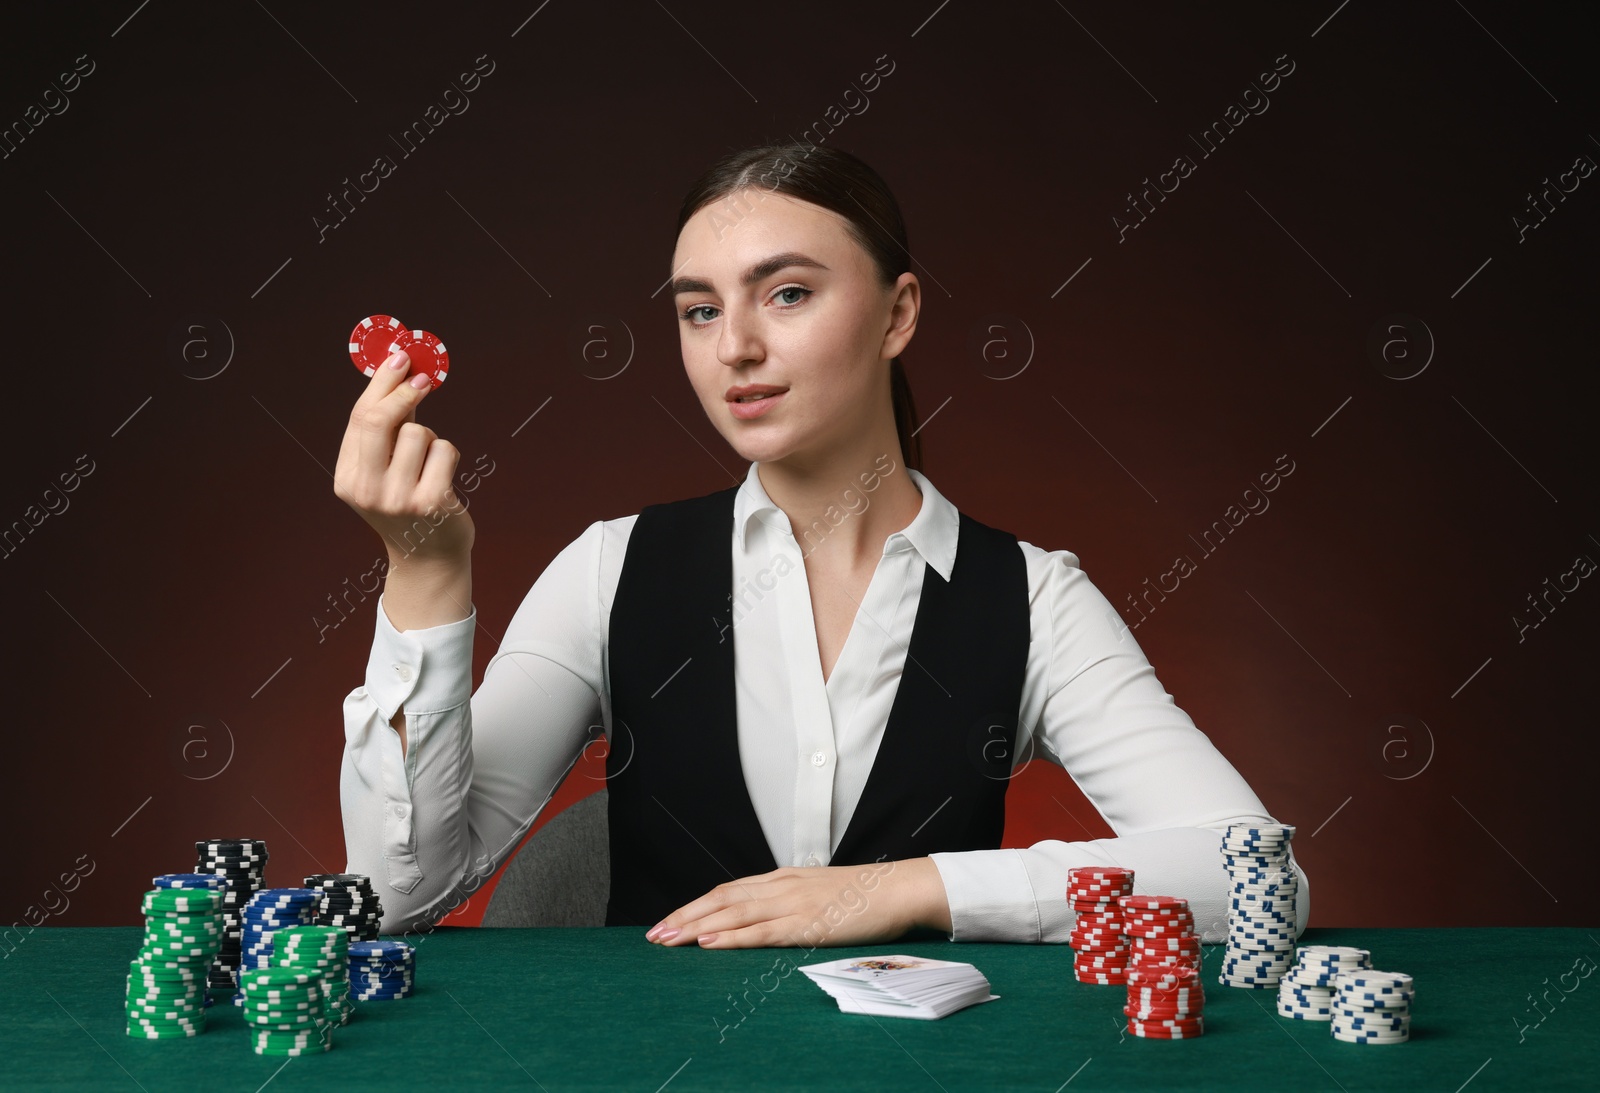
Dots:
pixel 904 308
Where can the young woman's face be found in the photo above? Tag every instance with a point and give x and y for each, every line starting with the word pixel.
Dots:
pixel 772 292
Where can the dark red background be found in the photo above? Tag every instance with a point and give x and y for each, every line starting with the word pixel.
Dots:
pixel 196 559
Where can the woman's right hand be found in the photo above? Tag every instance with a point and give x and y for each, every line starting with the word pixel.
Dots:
pixel 397 475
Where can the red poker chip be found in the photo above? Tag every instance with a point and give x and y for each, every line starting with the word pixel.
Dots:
pixel 371 339
pixel 1184 1024
pixel 1100 960
pixel 1169 978
pixel 1155 903
pixel 1099 872
pixel 1164 965
pixel 1166 1032
pixel 1161 914
pixel 1135 936
pixel 1112 980
pixel 1170 1014
pixel 1165 1001
pixel 1175 927
pixel 1160 1004
pixel 1100 917
pixel 1171 943
pixel 1162 956
pixel 428 354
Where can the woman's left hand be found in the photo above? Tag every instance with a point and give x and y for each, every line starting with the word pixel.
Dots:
pixel 812 906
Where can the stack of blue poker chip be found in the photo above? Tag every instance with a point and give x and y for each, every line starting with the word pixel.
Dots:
pixel 1372 1007
pixel 270 910
pixel 1261 905
pixel 191 880
pixel 381 970
pixel 1306 992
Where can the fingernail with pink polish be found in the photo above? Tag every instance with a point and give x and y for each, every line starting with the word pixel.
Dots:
pixel 668 934
pixel 705 939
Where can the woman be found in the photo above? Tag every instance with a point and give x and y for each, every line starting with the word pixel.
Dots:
pixel 893 654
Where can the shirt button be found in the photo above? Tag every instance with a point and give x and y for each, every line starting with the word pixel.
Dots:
pixel 404 672
pixel 819 758
pixel 400 811
pixel 812 861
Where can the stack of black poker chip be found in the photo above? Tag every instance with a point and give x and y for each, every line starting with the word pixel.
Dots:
pixel 348 901
pixel 242 865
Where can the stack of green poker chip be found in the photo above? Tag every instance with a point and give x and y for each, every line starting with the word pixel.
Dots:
pixel 286 1011
pixel 166 986
pixel 322 949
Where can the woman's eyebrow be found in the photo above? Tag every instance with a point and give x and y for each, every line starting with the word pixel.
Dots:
pixel 760 271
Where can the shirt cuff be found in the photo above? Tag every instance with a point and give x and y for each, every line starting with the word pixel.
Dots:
pixel 425 671
pixel 992 897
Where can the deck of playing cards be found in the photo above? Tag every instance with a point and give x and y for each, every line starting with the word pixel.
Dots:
pixel 901 986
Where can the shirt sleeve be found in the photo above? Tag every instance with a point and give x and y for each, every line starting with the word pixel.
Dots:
pixel 1164 788
pixel 430 826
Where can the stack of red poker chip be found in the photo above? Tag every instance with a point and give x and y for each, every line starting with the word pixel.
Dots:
pixel 1165 1003
pixel 1100 952
pixel 1160 931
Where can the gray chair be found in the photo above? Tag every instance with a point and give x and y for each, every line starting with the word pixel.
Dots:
pixel 562 875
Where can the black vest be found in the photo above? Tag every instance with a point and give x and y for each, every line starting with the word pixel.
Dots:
pixel 681 818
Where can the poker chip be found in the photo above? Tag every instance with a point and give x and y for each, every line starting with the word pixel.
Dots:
pixel 1101 948
pixel 372 341
pixel 1261 905
pixel 1170 1030
pixel 1306 991
pixel 349 902
pixel 428 354
pixel 286 1009
pixel 1166 992
pixel 165 989
pixel 1370 1006
pixel 324 950
pixel 239 864
pixel 381 970
pixel 269 911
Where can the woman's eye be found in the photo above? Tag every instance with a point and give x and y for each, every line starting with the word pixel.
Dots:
pixel 689 314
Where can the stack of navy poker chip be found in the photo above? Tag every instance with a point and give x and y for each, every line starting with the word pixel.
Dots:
pixel 241 864
pixel 1372 1007
pixel 1306 993
pixel 270 910
pixel 1261 913
pixel 381 970
pixel 348 901
pixel 193 880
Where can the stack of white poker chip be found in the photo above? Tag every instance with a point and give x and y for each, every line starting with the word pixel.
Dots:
pixel 1261 914
pixel 1306 992
pixel 1372 1007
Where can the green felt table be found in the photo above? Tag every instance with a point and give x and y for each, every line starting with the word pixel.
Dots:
pixel 562 1009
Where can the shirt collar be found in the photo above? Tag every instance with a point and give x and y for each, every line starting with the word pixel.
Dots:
pixel 932 533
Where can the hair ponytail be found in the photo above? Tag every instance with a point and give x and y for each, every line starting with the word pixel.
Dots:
pixel 905 415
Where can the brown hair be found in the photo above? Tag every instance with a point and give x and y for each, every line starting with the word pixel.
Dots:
pixel 835 180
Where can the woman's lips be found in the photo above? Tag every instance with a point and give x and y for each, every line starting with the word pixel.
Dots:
pixel 748 411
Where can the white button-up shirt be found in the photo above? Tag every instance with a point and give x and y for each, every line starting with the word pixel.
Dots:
pixel 480 766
